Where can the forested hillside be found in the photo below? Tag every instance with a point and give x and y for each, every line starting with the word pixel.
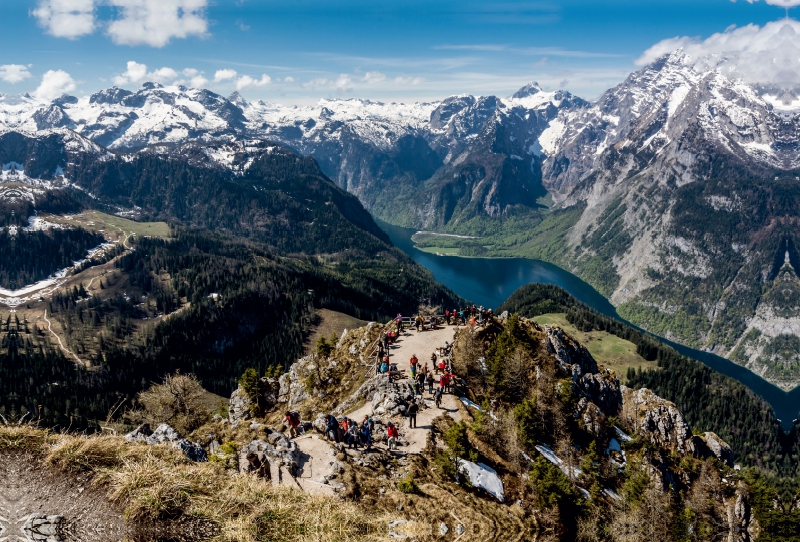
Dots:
pixel 709 400
pixel 30 256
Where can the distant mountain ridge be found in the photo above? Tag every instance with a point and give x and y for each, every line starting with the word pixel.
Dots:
pixel 673 194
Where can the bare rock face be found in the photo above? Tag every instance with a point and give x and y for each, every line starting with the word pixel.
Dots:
pixel 239 406
pixel 661 422
pixel 710 445
pixel 657 419
pixel 267 457
pixel 292 389
pixel 600 389
pixel 573 358
pixel 592 417
pixel 742 524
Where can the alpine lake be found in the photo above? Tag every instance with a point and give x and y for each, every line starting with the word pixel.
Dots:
pixel 490 281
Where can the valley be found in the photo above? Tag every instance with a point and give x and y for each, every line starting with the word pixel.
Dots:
pixel 677 180
pixel 172 256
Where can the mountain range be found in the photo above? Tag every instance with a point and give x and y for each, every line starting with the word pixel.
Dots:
pixel 674 193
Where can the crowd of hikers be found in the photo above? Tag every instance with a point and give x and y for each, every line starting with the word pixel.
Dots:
pixel 436 380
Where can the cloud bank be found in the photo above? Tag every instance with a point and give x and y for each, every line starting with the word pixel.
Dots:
pixel 69 19
pixel 138 22
pixel 768 55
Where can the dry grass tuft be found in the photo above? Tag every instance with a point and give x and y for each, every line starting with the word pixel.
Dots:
pixel 158 482
pixel 22 438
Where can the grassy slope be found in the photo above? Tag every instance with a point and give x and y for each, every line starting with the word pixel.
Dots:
pixel 612 352
pixel 111 225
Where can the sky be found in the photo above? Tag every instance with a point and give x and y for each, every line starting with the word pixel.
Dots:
pixel 298 51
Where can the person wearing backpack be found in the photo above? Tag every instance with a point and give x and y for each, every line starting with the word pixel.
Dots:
pixel 352 436
pixel 292 421
pixel 366 434
pixel 333 428
pixel 438 397
pixel 392 434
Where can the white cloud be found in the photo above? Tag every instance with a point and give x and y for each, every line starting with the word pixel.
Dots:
pixel 156 22
pixel 247 81
pixel 163 75
pixel 755 54
pixel 137 73
pixel 14 73
pixel 224 75
pixel 343 83
pixel 54 84
pixel 780 3
pixel 373 78
pixel 198 81
pixel 288 79
pixel 66 18
pixel 407 80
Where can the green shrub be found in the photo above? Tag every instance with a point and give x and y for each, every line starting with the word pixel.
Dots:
pixel 408 485
pixel 249 384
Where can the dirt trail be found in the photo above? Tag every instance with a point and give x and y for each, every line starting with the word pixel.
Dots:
pixel 27 488
pixel 315 458
pixel 423 344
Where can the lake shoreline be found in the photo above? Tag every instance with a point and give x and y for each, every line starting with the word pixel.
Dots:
pixel 489 281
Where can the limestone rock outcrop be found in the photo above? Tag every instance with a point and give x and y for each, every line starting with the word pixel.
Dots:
pixel 166 434
pixel 600 388
pixel 662 423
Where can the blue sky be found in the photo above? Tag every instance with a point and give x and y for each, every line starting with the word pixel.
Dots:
pixel 301 50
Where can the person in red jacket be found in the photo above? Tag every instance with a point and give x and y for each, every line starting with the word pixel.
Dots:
pixel 392 434
pixel 292 420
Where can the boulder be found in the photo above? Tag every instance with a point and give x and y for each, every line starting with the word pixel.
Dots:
pixel 279 451
pixel 191 450
pixel 139 434
pixel 166 434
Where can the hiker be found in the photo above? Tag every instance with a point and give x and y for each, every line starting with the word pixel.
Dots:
pixel 421 378
pixel 413 408
pixel 332 428
pixel 447 316
pixel 444 380
pixel 351 437
pixel 437 398
pixel 391 433
pixel 292 421
pixel 385 365
pixel 370 423
pixel 413 363
pixel 441 366
pixel 366 434
pixel 433 359
pixel 431 380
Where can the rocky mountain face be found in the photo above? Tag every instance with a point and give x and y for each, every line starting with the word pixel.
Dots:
pixel 674 193
pixel 686 184
pixel 431 164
